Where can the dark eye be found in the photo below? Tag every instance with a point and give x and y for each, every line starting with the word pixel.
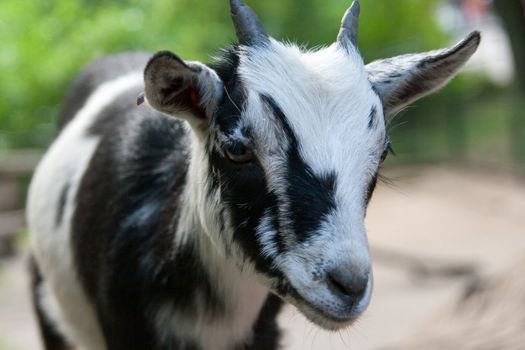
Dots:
pixel 238 153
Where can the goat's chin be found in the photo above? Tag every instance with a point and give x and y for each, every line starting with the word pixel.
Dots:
pixel 324 321
pixel 328 311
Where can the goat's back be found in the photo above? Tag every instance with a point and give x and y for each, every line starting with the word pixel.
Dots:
pixel 95 74
pixel 102 186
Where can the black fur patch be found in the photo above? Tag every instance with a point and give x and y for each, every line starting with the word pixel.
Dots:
pixel 61 204
pixel 245 192
pixel 311 195
pixel 372 117
pixel 244 189
pixel 226 65
pixel 122 233
pixel 266 333
pixel 233 100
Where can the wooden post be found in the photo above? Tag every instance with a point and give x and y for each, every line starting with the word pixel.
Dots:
pixel 14 167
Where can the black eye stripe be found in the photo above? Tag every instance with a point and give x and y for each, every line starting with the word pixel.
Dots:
pixel 311 196
pixel 282 119
pixel 372 117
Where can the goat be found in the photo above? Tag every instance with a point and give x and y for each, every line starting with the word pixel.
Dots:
pixel 185 222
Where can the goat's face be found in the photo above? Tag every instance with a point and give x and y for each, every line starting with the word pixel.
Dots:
pixel 294 151
pixel 291 146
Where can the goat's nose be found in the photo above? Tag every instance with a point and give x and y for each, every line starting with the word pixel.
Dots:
pixel 347 284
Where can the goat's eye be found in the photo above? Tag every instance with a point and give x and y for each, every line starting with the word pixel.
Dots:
pixel 239 153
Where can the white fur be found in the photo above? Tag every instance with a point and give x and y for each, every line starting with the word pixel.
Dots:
pixel 243 296
pixel 238 289
pixel 65 163
pixel 266 234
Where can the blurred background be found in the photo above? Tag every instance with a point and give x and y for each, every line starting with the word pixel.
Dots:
pixel 449 216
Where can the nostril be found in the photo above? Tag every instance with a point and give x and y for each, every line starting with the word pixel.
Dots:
pixel 337 286
pixel 347 284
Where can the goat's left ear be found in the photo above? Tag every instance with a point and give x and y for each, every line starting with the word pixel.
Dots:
pixel 186 90
pixel 403 79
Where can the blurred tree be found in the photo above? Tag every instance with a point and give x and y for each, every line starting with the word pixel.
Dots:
pixel 512 15
pixel 45 43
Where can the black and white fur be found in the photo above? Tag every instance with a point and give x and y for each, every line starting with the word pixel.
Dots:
pixel 147 234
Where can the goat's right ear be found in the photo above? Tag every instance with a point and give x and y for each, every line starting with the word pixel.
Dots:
pixel 187 90
pixel 401 80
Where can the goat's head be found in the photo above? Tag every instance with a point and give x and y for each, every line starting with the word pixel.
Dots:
pixel 290 145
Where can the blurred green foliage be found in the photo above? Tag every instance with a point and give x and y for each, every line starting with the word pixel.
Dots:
pixel 43 44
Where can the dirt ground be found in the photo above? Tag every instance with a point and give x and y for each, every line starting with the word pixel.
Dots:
pixel 432 232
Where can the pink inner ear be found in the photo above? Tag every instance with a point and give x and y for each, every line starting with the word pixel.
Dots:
pixel 196 102
pixel 195 98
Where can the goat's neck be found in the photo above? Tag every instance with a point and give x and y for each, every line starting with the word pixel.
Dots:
pixel 237 290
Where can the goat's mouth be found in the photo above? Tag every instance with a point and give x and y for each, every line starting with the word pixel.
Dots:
pixel 325 320
pixel 329 310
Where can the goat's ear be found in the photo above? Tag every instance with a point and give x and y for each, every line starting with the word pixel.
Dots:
pixel 187 90
pixel 403 79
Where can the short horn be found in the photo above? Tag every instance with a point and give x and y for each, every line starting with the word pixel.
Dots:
pixel 248 27
pixel 348 33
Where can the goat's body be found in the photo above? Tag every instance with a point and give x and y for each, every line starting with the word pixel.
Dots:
pixel 123 264
pixel 153 233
